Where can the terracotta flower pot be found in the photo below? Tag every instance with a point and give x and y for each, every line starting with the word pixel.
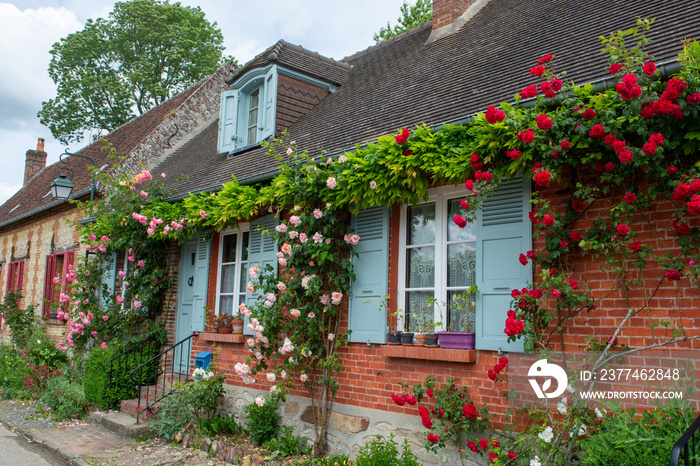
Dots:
pixel 224 329
pixel 237 326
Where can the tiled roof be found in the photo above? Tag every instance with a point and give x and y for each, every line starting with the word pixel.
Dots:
pixel 32 197
pixel 404 82
pixel 298 58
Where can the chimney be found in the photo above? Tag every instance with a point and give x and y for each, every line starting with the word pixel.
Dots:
pixel 450 15
pixel 35 161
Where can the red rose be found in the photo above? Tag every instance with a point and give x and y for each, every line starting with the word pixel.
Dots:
pixel 683 228
pixel 626 156
pixel 514 154
pixel 399 400
pixel 494 116
pixel 526 136
pixel 597 132
pixel 432 438
pixel 535 293
pixel 495 443
pixel 589 114
pixel 610 167
pixel 575 236
pixel 493 457
pixel 543 122
pixel 672 170
pixel 472 446
pixel 542 178
pixel 573 284
pixel 623 229
pixel 410 400
pixel 565 144
pixel 470 411
pixel 537 70
pixel 469 184
pixel 464 204
pixel 619 146
pixel 577 204
pixel 693 99
pixel 486 176
pixel 460 221
pixel 673 274
pixel 657 138
pixel 556 84
pixel 649 68
pixel 407 152
pixel 503 362
pixel 630 198
pixel 647 111
pixel 532 255
pixel 427 422
pixel 529 92
pixel 628 88
pixel 492 375
pixel 564 244
pixel 484 444
pixel 523 259
pixel 430 392
pixel 400 139
pixel 545 59
pixel 548 220
pixel 614 68
pixel 649 148
pixel 610 139
pixel 636 246
pixel 512 455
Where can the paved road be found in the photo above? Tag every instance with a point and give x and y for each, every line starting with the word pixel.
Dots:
pixel 15 450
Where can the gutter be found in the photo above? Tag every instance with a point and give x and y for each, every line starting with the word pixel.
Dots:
pixel 600 85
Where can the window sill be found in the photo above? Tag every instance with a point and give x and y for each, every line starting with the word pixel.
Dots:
pixel 222 337
pixel 430 354
pixel 54 321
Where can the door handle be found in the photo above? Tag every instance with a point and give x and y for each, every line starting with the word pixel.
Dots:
pixel 190 281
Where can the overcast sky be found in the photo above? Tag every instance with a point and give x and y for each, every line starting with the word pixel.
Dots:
pixel 28 29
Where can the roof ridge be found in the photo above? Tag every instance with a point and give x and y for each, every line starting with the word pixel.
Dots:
pixel 396 38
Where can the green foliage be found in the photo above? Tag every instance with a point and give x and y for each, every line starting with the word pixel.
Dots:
pixel 385 452
pixel 14 367
pixel 22 322
pixel 263 420
pixel 627 438
pixel 288 444
pixel 144 53
pixel 412 16
pixel 219 425
pixel 189 404
pixel 43 352
pixel 65 398
pixel 333 460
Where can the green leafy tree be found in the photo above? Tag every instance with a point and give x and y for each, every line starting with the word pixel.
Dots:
pixel 117 68
pixel 411 16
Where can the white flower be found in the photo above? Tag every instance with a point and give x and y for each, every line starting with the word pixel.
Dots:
pixel 283 375
pixel 281 228
pixel 241 369
pixel 599 414
pixel 331 182
pixel 287 346
pixel 582 430
pixel 535 461
pixel 303 377
pixel 318 214
pixel 336 296
pixel 547 435
pixel 561 406
pixel 260 400
pixel 373 185
pixel 271 377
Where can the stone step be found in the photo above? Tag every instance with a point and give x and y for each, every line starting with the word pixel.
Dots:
pixel 121 423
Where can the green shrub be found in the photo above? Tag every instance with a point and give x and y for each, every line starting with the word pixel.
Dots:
pixel 43 352
pixel 626 438
pixel 193 401
pixel 22 322
pixel 288 444
pixel 332 460
pixel 219 425
pixel 385 452
pixel 13 369
pixel 263 420
pixel 65 398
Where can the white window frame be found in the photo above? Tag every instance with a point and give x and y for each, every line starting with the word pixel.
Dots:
pixel 244 111
pixel 440 196
pixel 242 228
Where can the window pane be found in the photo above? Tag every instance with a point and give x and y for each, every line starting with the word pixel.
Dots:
pixel 416 303
pixel 254 99
pixel 461 264
pixel 228 272
pixel 229 249
pixel 244 277
pixel 421 224
pixel 225 304
pixel 244 255
pixel 455 233
pixel 459 311
pixel 421 267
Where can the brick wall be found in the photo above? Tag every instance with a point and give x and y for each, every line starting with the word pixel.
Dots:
pixel 446 11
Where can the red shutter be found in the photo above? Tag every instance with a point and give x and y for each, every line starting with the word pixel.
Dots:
pixel 48 284
pixel 10 277
pixel 20 275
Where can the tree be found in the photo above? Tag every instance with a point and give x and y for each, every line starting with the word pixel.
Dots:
pixel 117 68
pixel 411 16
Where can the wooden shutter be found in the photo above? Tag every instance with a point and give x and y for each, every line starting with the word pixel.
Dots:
pixel 367 322
pixel 262 251
pixel 228 117
pixel 19 280
pixel 503 233
pixel 48 284
pixel 201 282
pixel 15 275
pixel 268 105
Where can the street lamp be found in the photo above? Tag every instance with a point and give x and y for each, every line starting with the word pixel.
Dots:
pixel 63 186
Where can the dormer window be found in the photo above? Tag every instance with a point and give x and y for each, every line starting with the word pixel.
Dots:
pixel 248 110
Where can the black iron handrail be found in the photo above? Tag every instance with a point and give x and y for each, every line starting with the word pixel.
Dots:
pixel 127 359
pixel 685 446
pixel 154 364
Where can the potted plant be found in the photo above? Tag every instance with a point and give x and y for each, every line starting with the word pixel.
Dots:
pixel 237 323
pixel 425 324
pixel 460 330
pixel 394 335
pixel 224 323
pixel 406 336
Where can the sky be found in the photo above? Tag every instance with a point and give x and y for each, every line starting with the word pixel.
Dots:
pixel 28 29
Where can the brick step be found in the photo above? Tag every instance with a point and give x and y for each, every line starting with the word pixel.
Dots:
pixel 121 424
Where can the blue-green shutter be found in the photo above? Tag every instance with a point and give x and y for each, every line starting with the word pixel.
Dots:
pixel 367 321
pixel 201 282
pixel 503 233
pixel 262 251
pixel 109 277
pixel 268 105
pixel 228 115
